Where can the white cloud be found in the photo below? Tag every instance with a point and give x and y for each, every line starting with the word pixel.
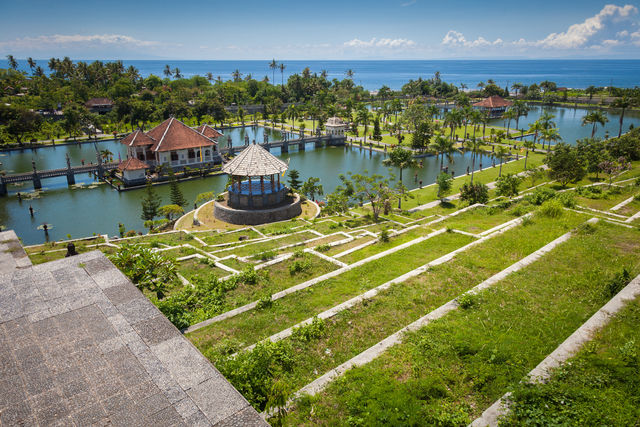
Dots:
pixel 593 29
pixel 382 43
pixel 455 38
pixel 58 40
pixel 409 3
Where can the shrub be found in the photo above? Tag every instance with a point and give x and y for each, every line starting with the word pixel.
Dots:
pixel 323 248
pixel 474 193
pixel 618 282
pixel 526 221
pixel 300 266
pixel 314 330
pixel 384 235
pixel 507 185
pixel 266 255
pixel 147 269
pixel 540 195
pixel 264 302
pixel 466 301
pixel 567 199
pixel 551 209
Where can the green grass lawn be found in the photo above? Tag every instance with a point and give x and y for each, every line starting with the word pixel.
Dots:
pixel 599 386
pixel 457 366
pixel 258 247
pixel 251 326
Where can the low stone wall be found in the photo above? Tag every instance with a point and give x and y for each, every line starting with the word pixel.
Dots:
pixel 257 216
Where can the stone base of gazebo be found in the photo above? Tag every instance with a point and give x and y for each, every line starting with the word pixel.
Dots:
pixel 282 212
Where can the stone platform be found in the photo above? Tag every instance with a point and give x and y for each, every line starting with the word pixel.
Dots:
pixel 81 345
pixel 285 211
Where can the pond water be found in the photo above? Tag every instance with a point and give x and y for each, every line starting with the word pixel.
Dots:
pixel 83 211
pixel 569 122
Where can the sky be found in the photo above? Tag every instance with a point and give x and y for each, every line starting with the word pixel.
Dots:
pixel 346 29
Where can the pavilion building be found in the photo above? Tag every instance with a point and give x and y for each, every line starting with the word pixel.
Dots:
pixel 174 144
pixel 494 106
pixel 335 126
pixel 256 195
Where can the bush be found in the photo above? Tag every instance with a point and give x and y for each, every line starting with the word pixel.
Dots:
pixel 314 330
pixel 567 199
pixel 474 193
pixel 323 248
pixel 264 302
pixel 507 185
pixel 266 255
pixel 300 266
pixel 618 282
pixel 551 209
pixel 384 235
pixel 146 269
pixel 540 195
pixel 466 301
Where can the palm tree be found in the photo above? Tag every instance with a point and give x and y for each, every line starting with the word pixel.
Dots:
pixel 476 146
pixel 501 153
pixel 528 145
pixel 324 74
pixel 236 75
pixel 521 109
pixel 551 135
pixel 176 73
pixel 535 128
pixel 594 118
pixel 282 67
pixel 363 119
pixel 591 90
pixel 167 71
pixel 442 145
pixel 209 76
pixel 400 158
pixel 516 87
pixel 509 115
pixel 349 73
pixel 273 65
pixel 622 103
pixel 52 64
pixel 12 62
pixel 32 63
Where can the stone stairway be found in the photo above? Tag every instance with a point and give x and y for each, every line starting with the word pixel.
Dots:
pixel 81 345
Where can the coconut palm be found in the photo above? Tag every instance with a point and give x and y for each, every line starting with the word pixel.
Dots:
pixel 167 71
pixel 442 146
pixel 363 119
pixel 528 145
pixel 209 76
pixel 622 103
pixel 400 158
pixel 509 115
pixel 176 73
pixel 535 128
pixel 273 65
pixel 501 153
pixel 595 118
pixel 521 109
pixel 236 75
pixel 282 67
pixel 475 145
pixel 52 64
pixel 551 135
pixel 349 73
pixel 12 62
pixel 32 63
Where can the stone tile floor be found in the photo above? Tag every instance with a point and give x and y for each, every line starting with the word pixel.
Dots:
pixel 81 345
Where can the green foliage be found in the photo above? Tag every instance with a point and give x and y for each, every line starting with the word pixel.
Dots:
pixel 302 265
pixel 294 180
pixel 551 209
pixel 384 235
pixel 150 203
pixel 171 211
pixel 474 193
pixel 148 270
pixel 264 302
pixel 618 282
pixel 422 136
pixel 540 195
pixel 266 255
pixel 567 199
pixel 175 195
pixel 205 197
pixel 627 146
pixel 324 247
pixel 566 164
pixel 311 187
pixel 507 185
pixel 445 182
pixel 314 330
pixel 254 373
pixel 466 300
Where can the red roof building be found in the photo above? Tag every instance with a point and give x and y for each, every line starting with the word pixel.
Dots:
pixel 132 164
pixel 99 105
pixel 172 143
pixel 209 132
pixel 495 105
pixel 133 171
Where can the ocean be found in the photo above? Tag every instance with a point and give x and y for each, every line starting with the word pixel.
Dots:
pixel 374 74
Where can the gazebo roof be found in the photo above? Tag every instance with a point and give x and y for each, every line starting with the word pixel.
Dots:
pixel 335 121
pixel 255 161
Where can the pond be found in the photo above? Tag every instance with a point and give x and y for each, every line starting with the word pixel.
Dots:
pixel 88 209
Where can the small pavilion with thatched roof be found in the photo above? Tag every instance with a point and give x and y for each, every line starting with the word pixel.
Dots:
pixel 256 195
pixel 255 175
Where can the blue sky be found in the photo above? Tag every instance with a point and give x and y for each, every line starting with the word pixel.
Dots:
pixel 358 29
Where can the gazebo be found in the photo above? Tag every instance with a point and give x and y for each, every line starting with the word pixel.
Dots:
pixel 494 106
pixel 256 195
pixel 255 175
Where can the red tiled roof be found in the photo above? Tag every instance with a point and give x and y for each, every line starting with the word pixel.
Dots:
pixel 138 139
pixel 209 132
pixel 93 102
pixel 494 101
pixel 172 134
pixel 132 164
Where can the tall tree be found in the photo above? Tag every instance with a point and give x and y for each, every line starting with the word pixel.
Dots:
pixel 595 118
pixel 150 203
pixel 167 71
pixel 400 158
pixel 273 65
pixel 311 187
pixel 282 68
pixel 13 64
pixel 294 180
pixel 622 103
pixel 501 153
pixel 175 195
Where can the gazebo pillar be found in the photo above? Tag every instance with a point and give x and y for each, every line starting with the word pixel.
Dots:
pixel 278 182
pixel 262 185
pixel 272 184
pixel 250 185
